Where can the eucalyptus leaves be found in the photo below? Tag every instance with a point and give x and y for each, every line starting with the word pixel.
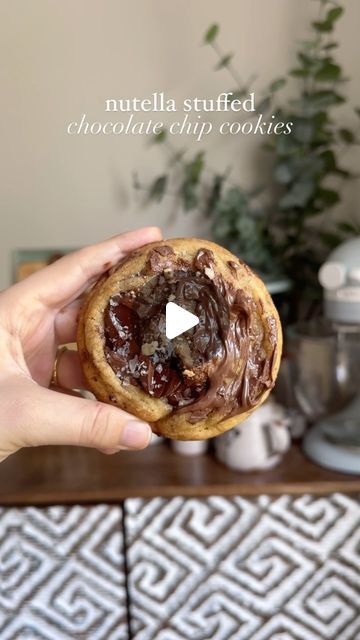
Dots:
pixel 294 233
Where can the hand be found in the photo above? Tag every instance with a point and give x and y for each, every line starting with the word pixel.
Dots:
pixel 36 316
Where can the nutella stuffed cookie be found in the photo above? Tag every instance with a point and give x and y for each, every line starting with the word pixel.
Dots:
pixel 207 379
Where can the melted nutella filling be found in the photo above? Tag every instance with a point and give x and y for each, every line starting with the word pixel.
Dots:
pixel 224 363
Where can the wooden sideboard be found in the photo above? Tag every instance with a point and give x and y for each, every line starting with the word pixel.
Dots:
pixel 156 546
pixel 72 475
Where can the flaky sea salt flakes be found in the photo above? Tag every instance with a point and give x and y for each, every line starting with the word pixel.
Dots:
pixel 133 363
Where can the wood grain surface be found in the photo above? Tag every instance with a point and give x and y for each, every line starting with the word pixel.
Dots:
pixel 71 475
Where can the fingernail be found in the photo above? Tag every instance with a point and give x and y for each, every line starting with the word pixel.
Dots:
pixel 136 435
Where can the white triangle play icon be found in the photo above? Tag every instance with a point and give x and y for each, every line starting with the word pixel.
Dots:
pixel 178 320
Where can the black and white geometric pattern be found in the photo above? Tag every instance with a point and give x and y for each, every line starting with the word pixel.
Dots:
pixel 285 568
pixel 61 574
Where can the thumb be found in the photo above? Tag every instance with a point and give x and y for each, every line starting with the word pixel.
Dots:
pixel 50 417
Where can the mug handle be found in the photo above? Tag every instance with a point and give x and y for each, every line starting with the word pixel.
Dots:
pixel 277 439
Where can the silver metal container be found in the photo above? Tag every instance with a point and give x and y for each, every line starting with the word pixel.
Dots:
pixel 324 364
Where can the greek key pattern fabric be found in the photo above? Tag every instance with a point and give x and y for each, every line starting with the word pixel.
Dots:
pixel 285 568
pixel 61 574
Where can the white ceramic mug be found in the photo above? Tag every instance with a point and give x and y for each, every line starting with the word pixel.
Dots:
pixel 258 442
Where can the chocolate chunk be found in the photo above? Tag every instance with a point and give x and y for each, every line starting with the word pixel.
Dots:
pixel 165 250
pixel 160 258
pixel 204 258
pixel 234 267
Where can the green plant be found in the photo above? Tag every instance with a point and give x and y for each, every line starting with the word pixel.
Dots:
pixel 306 164
pixel 294 233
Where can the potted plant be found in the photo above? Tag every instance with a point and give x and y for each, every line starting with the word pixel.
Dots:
pixel 285 228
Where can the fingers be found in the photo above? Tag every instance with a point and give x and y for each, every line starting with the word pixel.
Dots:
pixel 69 371
pixel 63 281
pixel 48 417
pixel 66 322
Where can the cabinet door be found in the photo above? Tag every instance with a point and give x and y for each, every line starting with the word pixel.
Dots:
pixel 244 569
pixel 61 573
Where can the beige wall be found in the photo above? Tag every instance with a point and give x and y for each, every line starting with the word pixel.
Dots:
pixel 60 59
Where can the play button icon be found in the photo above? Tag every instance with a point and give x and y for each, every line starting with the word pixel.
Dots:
pixel 178 320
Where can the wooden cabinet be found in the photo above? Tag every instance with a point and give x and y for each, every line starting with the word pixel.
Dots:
pixel 62 573
pixel 238 568
pixel 151 546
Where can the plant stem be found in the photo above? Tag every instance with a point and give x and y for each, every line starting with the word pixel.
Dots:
pixel 230 67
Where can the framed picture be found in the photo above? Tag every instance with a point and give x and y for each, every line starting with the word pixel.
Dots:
pixel 27 261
